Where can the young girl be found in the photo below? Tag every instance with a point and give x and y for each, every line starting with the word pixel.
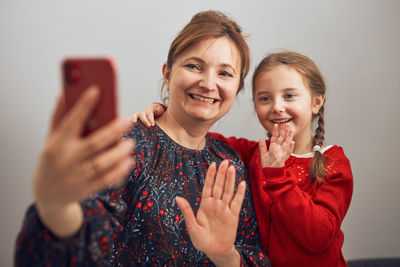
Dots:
pixel 301 188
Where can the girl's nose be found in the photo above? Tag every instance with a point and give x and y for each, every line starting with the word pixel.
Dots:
pixel 278 106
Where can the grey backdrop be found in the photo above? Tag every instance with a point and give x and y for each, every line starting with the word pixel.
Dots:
pixel 355 43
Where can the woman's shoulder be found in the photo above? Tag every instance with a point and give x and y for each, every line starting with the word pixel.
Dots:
pixel 143 136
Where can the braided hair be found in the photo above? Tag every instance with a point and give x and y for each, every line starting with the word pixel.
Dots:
pixel 315 82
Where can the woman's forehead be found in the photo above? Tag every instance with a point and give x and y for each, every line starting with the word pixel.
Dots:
pixel 219 51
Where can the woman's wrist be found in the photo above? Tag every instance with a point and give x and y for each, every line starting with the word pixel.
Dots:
pixel 63 221
pixel 232 259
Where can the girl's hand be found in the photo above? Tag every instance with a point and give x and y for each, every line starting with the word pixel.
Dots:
pixel 147 115
pixel 280 147
pixel 72 167
pixel 213 230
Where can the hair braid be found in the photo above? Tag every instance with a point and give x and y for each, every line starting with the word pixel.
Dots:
pixel 318 164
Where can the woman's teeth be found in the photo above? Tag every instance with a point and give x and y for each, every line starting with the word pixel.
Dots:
pixel 206 99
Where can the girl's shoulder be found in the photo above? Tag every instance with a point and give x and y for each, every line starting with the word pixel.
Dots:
pixel 232 140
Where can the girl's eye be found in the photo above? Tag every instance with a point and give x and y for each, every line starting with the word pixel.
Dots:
pixel 290 96
pixel 226 74
pixel 264 99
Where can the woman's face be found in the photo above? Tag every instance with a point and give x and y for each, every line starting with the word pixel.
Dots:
pixel 203 81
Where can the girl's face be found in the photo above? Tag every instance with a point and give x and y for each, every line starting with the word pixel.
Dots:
pixel 203 81
pixel 282 97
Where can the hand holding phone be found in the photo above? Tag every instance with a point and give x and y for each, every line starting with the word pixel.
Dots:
pixel 81 73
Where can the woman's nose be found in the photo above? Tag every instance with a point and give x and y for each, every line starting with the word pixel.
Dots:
pixel 208 81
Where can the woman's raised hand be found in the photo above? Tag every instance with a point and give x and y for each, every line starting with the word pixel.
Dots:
pixel 280 147
pixel 71 167
pixel 148 114
pixel 213 229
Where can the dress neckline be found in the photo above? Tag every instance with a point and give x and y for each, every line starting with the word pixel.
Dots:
pixel 163 133
pixel 311 154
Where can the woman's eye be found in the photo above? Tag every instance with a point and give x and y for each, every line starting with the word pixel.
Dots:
pixel 192 66
pixel 226 74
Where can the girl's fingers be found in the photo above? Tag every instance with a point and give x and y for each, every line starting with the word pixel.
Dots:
pixel 104 137
pixel 237 201
pixel 150 118
pixel 274 135
pixel 75 119
pixel 134 117
pixel 219 185
pixel 229 185
pixel 263 147
pixel 289 137
pixel 209 181
pixel 158 110
pixel 282 133
pixel 143 118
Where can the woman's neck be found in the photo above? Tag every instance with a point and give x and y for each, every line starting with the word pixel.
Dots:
pixel 186 133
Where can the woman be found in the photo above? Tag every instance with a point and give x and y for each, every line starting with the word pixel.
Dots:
pixel 140 222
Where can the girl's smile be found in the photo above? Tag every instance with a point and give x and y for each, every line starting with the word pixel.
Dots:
pixel 282 97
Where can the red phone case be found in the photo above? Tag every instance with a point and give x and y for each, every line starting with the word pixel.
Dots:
pixel 78 75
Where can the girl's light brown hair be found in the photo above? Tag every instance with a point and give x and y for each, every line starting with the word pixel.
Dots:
pixel 210 25
pixel 314 80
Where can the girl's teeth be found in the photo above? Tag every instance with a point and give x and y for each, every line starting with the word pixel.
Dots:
pixel 280 121
pixel 209 100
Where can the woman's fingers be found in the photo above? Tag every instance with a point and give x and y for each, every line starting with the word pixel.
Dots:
pixel 104 137
pixel 219 184
pixel 58 112
pixel 237 201
pixel 75 119
pixel 209 181
pixel 187 213
pixel 106 160
pixel 229 185
pixel 113 177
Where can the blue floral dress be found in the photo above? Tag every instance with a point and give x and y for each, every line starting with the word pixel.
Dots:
pixel 140 224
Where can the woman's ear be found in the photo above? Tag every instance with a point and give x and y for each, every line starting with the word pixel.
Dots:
pixel 318 102
pixel 165 72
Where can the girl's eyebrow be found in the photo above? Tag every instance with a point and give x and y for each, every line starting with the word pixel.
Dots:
pixel 262 93
pixel 291 89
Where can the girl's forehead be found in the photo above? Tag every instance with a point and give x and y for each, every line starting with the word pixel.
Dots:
pixel 280 77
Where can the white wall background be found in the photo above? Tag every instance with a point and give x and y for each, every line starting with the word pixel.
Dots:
pixel 356 44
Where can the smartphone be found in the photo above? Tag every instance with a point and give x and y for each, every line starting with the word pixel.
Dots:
pixel 81 73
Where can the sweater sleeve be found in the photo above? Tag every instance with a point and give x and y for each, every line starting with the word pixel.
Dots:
pixel 247 238
pixel 243 146
pixel 317 218
pixel 92 245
